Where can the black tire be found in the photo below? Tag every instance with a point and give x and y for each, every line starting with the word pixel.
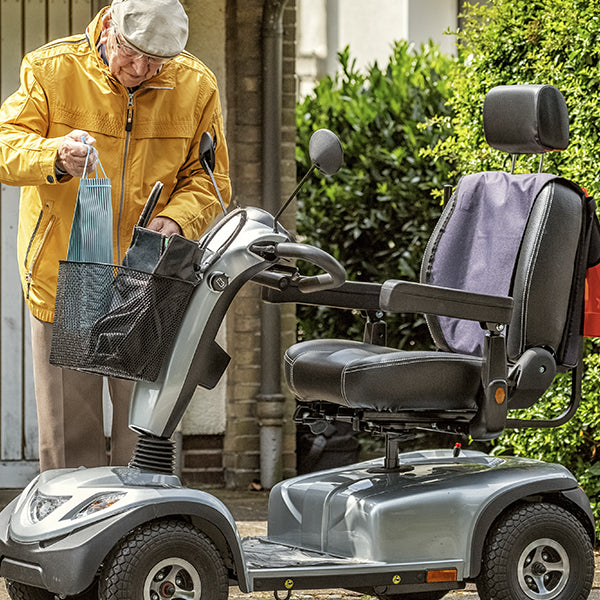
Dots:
pixel 20 591
pixel 537 552
pixel 161 554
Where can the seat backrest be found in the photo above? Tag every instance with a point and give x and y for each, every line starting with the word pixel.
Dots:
pixel 515 235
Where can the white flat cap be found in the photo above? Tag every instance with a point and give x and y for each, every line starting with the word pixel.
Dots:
pixel 158 28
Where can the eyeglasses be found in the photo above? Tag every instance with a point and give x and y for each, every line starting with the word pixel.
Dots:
pixel 131 54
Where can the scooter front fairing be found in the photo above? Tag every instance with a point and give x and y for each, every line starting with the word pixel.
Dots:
pixel 58 531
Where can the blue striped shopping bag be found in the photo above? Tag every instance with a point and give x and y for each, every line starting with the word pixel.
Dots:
pixel 91 230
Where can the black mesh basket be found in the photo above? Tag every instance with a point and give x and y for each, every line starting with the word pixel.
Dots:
pixel 116 321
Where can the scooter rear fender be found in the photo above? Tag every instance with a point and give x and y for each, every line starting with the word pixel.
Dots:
pixel 555 490
pixel 68 564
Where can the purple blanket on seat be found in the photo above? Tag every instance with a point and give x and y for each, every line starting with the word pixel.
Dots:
pixel 480 243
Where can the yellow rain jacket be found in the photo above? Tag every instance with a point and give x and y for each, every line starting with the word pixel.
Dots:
pixel 148 135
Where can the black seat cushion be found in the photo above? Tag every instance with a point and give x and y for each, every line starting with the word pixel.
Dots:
pixel 370 377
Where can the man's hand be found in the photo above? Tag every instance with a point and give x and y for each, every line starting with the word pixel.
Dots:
pixel 72 153
pixel 165 226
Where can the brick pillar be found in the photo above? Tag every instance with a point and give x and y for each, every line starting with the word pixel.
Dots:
pixel 241 454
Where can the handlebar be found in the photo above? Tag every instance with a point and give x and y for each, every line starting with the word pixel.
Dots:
pixel 334 276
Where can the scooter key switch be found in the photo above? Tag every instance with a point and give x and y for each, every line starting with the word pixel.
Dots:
pixel 218 281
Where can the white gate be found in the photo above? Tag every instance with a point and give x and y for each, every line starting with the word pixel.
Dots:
pixel 24 25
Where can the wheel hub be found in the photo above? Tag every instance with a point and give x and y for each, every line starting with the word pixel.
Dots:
pixel 173 579
pixel 167 590
pixel 543 569
pixel 538 568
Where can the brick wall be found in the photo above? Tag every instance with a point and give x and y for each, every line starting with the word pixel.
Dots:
pixel 240 464
pixel 202 464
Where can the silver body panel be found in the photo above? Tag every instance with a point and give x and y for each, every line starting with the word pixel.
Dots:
pixel 153 403
pixel 427 514
pixel 82 486
pixel 63 551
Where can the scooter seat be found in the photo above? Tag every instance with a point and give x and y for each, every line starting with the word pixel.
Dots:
pixel 365 376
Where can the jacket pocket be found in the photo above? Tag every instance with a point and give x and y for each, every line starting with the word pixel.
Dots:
pixel 38 239
pixel 101 122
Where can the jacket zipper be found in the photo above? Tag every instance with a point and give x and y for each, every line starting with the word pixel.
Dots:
pixel 128 128
pixel 29 274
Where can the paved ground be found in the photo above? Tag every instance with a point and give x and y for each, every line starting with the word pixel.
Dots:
pixel 249 509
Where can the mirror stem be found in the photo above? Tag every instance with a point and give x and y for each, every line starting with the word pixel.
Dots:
pixel 212 178
pixel 294 194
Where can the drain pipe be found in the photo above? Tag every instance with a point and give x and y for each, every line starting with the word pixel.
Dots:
pixel 270 401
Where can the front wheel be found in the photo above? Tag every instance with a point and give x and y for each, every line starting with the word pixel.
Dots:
pixel 164 559
pixel 537 552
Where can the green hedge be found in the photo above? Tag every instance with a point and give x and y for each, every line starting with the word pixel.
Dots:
pixel 377 213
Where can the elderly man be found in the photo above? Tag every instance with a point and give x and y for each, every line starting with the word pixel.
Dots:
pixel 128 88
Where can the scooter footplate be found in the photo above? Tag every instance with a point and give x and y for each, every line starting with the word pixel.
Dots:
pixel 275 566
pixel 262 553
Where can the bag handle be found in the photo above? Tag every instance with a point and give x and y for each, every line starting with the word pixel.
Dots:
pixel 91 148
pixel 150 204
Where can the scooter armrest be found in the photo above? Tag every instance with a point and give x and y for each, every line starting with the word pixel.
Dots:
pixel 350 295
pixel 405 296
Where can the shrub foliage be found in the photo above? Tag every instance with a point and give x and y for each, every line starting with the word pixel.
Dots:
pixel 376 214
pixel 536 42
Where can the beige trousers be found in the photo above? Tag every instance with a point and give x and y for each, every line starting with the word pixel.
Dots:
pixel 70 413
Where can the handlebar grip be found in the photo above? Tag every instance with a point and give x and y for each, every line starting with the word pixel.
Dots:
pixel 334 275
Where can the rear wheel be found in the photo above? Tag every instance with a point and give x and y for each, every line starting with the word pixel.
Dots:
pixel 537 552
pixel 161 560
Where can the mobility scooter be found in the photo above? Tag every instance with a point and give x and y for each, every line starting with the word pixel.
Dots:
pixel 502 287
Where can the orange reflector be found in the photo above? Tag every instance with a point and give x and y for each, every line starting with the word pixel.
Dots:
pixel 441 575
pixel 500 395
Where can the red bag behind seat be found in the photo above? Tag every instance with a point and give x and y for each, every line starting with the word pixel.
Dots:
pixel 591 320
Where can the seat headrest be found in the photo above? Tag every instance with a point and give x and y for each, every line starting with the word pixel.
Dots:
pixel 526 119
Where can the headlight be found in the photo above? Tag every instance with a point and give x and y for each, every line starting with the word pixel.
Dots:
pixel 41 506
pixel 99 503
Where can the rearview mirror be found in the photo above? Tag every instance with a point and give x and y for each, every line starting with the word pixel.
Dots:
pixel 207 152
pixel 325 151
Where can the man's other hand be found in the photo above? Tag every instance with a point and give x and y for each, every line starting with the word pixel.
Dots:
pixel 165 226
